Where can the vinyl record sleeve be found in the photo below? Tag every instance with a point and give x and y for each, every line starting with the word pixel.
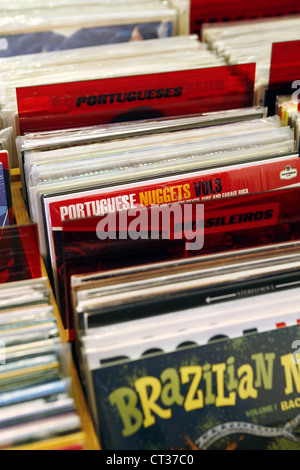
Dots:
pixel 195 131
pixel 24 293
pixel 209 147
pixel 212 323
pixel 148 163
pixel 183 283
pixel 168 270
pixel 184 329
pixel 229 183
pixel 260 39
pixel 216 11
pixel 123 305
pixel 13 336
pixel 20 251
pixel 245 385
pixel 45 428
pixel 31 393
pixel 16 379
pixel 27 316
pixel 72 26
pixel 36 147
pixel 283 226
pixel 73 38
pixel 163 94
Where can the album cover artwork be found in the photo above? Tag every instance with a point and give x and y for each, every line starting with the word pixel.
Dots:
pixel 20 254
pixel 239 394
pixel 4 221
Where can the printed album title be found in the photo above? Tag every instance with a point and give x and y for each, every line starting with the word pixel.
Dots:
pixel 218 385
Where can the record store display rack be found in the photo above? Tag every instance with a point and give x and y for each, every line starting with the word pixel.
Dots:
pixel 150 225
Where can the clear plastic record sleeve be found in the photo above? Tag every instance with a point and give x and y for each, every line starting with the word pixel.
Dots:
pixel 104 52
pixel 140 164
pixel 260 39
pixel 225 149
pixel 87 285
pixel 68 27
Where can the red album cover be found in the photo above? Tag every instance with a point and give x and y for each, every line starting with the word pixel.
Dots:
pixel 103 101
pixel 19 253
pixel 229 224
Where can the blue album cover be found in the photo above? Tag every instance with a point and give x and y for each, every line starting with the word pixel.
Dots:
pixel 4 220
pixel 46 41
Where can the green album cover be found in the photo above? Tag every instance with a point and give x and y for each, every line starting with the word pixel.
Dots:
pixel 241 393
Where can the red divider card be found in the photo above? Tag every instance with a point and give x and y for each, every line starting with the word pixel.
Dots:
pixel 19 253
pixel 87 103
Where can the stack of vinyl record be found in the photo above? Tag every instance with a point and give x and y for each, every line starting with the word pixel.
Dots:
pixel 36 396
pixel 30 27
pixel 217 11
pixel 287 108
pixel 193 354
pixel 252 41
pixel 96 62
